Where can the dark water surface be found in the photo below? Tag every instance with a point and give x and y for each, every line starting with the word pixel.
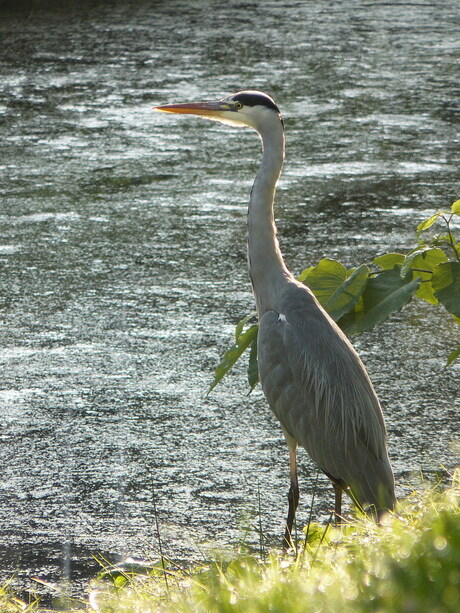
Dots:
pixel 123 250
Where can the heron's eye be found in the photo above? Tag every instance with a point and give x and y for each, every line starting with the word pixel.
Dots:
pixel 238 106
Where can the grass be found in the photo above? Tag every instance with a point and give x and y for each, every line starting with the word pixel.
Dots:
pixel 408 564
pixel 10 603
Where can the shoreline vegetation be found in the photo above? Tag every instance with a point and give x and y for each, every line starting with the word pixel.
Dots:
pixel 409 563
pixel 360 298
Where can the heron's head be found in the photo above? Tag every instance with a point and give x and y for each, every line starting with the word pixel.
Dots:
pixel 247 108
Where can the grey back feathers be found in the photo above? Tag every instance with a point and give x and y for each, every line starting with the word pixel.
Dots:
pixel 319 390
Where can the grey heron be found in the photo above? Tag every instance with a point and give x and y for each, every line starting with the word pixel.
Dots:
pixel 311 375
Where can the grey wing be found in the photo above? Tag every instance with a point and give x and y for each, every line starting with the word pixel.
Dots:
pixel 319 390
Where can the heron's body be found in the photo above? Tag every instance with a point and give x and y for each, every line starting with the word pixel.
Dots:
pixel 332 412
pixel 313 379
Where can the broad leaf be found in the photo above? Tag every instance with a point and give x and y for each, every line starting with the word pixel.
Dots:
pixel 453 356
pixel 240 325
pixel 303 275
pixel 424 259
pixel 345 297
pixel 233 353
pixel 389 260
pixel 324 279
pixel 427 223
pixel 386 293
pixel 446 285
pixel 421 263
pixel 455 208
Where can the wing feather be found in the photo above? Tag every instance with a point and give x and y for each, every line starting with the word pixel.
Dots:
pixel 319 390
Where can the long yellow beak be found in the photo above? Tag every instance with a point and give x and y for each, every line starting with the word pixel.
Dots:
pixel 205 109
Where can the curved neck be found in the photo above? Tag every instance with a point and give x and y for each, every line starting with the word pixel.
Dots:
pixel 266 266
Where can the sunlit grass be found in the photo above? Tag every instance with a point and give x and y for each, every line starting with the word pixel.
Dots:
pixel 409 564
pixel 10 603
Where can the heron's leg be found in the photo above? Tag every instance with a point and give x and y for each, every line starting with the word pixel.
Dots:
pixel 338 503
pixel 293 496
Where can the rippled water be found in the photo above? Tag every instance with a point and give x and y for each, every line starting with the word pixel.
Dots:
pixel 123 266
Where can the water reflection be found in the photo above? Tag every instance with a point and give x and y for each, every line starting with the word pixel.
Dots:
pixel 123 255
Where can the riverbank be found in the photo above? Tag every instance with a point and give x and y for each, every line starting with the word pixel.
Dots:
pixel 409 563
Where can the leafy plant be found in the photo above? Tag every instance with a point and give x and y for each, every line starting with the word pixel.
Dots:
pixel 360 298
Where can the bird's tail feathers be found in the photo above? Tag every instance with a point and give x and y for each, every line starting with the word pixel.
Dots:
pixel 374 486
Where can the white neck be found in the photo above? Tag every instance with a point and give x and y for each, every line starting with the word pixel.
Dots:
pixel 266 266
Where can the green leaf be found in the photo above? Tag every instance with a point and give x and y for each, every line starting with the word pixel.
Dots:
pixel 304 274
pixel 425 258
pixel 240 325
pixel 324 278
pixel 389 260
pixel 253 366
pixel 427 223
pixel 453 356
pixel 386 293
pixel 421 263
pixel 120 581
pixel 455 208
pixel 348 293
pixel 446 285
pixel 233 353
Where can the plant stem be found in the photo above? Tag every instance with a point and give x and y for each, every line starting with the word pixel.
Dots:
pixel 159 542
pixel 451 238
